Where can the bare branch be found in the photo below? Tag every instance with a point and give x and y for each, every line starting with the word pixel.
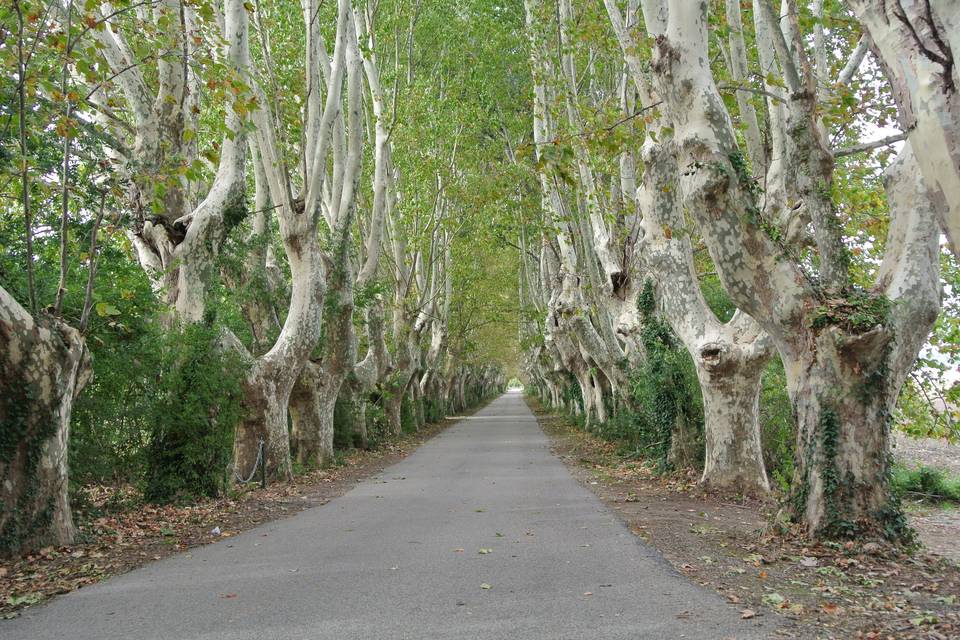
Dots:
pixel 869 146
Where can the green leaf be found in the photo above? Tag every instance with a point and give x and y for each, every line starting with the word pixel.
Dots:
pixel 106 309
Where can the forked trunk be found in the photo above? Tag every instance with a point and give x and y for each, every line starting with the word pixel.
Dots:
pixel 272 377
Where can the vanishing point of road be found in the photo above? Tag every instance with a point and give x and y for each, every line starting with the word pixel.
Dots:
pixel 480 534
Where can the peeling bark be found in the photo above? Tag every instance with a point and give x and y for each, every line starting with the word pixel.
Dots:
pixel 918 45
pixel 43 366
pixel 843 376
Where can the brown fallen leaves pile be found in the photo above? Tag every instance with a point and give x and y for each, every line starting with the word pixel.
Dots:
pixel 118 532
pixel 856 590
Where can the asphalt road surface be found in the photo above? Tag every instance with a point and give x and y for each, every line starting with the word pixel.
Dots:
pixel 479 534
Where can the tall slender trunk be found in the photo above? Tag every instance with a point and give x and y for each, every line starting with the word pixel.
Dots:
pixel 416 401
pixel 319 392
pixel 392 408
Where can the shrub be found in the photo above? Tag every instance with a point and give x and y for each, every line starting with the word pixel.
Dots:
pixel 663 419
pixel 378 431
pixel 927 483
pixel 434 409
pixel 193 418
pixel 777 427
pixel 344 423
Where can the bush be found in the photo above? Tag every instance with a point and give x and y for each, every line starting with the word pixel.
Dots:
pixel 927 483
pixel 344 423
pixel 777 427
pixel 664 401
pixel 434 410
pixel 193 417
pixel 109 426
pixel 378 431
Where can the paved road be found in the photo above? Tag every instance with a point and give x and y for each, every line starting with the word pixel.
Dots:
pixel 398 558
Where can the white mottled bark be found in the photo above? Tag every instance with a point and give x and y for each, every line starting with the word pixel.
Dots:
pixel 43 366
pixel 729 357
pixel 177 242
pixel 917 42
pixel 842 380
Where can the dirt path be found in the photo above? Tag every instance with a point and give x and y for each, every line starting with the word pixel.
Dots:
pixel 847 592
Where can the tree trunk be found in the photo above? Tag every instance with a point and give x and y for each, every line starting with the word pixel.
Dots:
pixel 320 382
pixel 327 403
pixel 43 366
pixel 731 410
pixel 265 417
pixel 391 407
pixel 846 352
pixel 416 401
pixel 363 434
pixel 729 357
pixel 306 417
pixel 273 375
pixel 842 406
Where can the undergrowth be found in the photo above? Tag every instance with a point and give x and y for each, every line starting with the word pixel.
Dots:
pixel 926 483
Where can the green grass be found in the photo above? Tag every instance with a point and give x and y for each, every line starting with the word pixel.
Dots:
pixel 927 483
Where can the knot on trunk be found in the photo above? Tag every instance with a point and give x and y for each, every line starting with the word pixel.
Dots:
pixel 619 281
pixel 713 356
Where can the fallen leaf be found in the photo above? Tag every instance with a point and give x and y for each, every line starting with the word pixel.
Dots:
pixel 484 552
pixel 746 614
pixel 485 585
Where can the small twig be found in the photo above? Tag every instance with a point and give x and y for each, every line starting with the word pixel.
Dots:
pixel 606 129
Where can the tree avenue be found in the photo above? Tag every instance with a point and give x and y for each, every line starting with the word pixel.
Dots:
pixel 242 238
